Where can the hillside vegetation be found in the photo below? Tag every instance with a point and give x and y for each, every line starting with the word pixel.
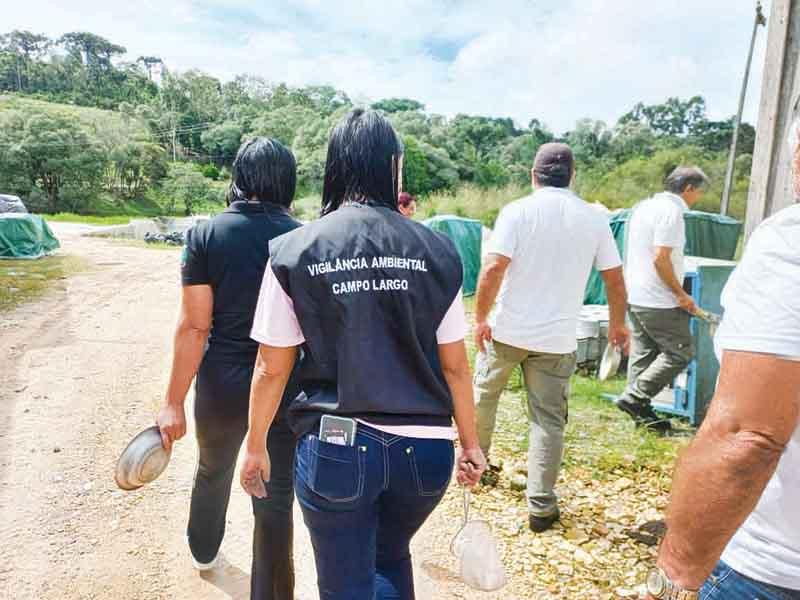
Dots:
pixel 164 141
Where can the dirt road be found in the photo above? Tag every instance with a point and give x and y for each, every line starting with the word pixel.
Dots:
pixel 81 371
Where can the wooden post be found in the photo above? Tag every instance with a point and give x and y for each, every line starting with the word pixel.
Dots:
pixel 770 181
pixel 726 193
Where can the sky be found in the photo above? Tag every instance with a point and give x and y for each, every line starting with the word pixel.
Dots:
pixel 554 60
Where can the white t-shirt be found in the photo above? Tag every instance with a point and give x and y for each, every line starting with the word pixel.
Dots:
pixel 762 314
pixel 657 221
pixel 553 239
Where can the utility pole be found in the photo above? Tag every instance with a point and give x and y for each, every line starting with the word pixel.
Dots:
pixel 726 194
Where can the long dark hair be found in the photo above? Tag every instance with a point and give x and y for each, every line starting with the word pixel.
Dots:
pixel 363 162
pixel 264 170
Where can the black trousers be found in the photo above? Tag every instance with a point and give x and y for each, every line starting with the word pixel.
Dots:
pixel 221 407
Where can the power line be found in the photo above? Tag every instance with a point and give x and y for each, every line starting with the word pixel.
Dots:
pixel 123 134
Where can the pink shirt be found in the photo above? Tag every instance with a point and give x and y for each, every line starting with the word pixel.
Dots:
pixel 275 324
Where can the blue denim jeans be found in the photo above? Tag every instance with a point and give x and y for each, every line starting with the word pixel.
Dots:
pixel 727 584
pixel 362 504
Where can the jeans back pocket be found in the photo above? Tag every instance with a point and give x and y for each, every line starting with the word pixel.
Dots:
pixel 431 463
pixel 336 472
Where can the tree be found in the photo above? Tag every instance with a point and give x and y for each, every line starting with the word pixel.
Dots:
pixel 631 139
pixel 194 101
pixel 24 47
pixel 93 51
pixel 474 141
pixel 134 166
pixel 590 141
pixel 48 151
pixel 186 185
pixel 325 98
pixel 417 177
pixel 672 118
pixel 283 123
pixel 149 63
pixel 394 105
pixel 222 141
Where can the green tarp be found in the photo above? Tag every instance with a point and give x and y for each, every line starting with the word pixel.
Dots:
pixel 467 235
pixel 25 236
pixel 707 234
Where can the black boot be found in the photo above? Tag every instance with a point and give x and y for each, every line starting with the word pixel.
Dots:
pixel 644 416
pixel 540 524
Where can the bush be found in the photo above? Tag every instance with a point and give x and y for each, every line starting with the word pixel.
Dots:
pixel 184 185
pixel 210 172
pixel 638 178
pixel 472 201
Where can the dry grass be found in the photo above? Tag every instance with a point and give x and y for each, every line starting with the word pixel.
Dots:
pixel 471 201
pixel 25 280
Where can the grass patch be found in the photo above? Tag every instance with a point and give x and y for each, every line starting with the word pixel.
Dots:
pixel 142 244
pixel 25 280
pixel 471 201
pixel 89 219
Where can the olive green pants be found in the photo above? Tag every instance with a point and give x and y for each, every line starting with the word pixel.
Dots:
pixel 546 379
pixel 661 347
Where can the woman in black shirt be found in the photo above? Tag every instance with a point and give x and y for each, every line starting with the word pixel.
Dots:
pixel 222 266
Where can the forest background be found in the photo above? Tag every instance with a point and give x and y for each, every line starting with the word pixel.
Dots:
pixel 83 131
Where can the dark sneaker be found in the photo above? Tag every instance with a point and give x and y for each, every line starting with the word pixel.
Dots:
pixel 644 416
pixel 540 524
pixel 491 476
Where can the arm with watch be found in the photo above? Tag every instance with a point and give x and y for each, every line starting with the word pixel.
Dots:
pixel 724 471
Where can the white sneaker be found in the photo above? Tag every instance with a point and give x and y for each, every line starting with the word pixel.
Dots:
pixel 199 565
pixel 204 566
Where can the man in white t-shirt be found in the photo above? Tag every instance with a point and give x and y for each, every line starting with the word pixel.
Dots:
pixel 733 522
pixel 540 256
pixel 660 308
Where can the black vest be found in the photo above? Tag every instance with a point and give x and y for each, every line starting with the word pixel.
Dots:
pixel 370 288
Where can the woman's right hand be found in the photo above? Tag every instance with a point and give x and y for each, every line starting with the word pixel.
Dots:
pixel 171 421
pixel 255 471
pixel 470 466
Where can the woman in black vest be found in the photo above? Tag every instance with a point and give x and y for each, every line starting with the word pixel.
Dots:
pixel 374 300
pixel 221 269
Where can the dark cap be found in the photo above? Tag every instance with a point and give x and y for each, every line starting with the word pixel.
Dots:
pixel 554 163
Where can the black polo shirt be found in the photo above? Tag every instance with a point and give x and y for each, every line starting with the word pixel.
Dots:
pixel 230 253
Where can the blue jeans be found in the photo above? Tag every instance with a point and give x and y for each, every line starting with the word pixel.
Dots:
pixel 362 504
pixel 727 584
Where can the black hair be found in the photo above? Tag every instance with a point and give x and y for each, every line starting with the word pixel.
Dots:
pixel 363 162
pixel 264 170
pixel 683 177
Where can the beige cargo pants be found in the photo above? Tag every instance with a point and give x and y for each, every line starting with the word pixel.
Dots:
pixel 546 379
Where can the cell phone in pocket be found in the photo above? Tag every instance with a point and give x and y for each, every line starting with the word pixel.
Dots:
pixel 337 430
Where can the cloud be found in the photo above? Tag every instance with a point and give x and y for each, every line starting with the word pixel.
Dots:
pixel 555 60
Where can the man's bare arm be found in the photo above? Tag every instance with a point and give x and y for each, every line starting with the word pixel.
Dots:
pixel 489 282
pixel 666 272
pixel 721 476
pixel 618 333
